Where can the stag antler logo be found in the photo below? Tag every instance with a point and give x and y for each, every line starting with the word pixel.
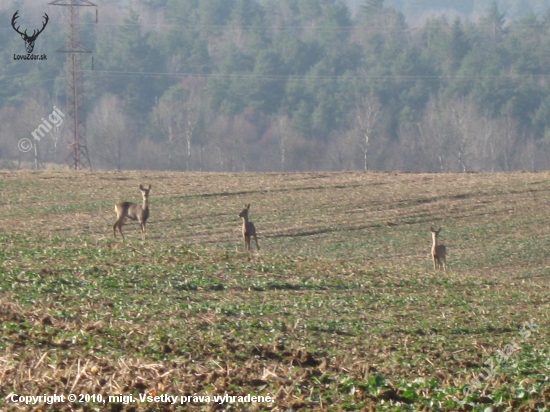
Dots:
pixel 29 40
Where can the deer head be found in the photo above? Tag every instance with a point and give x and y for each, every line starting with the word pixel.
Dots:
pixel 244 212
pixel 144 191
pixel 29 40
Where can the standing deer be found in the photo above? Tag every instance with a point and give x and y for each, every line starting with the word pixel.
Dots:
pixel 133 211
pixel 438 251
pixel 248 228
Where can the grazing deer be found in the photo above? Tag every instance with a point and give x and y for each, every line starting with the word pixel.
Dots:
pixel 248 228
pixel 133 211
pixel 438 251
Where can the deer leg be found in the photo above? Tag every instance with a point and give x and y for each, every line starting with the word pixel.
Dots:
pixel 435 263
pixel 256 240
pixel 143 232
pixel 119 225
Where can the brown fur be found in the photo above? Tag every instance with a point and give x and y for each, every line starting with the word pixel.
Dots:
pixel 248 229
pixel 439 252
pixel 133 211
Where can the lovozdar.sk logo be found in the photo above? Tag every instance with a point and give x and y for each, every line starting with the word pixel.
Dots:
pixel 29 40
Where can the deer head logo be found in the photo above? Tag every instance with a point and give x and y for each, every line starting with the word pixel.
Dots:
pixel 29 40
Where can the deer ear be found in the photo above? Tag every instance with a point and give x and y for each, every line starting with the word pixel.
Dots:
pixel 150 187
pixel 140 187
pixel 248 207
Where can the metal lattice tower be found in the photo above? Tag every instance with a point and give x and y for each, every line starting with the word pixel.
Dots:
pixel 77 158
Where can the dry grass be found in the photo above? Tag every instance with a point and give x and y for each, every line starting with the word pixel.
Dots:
pixel 340 310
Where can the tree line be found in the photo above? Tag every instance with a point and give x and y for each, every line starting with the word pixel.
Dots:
pixel 289 85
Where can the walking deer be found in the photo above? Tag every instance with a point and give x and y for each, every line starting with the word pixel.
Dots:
pixel 439 252
pixel 249 230
pixel 133 211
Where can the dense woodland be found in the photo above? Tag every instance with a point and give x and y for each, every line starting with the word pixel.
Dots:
pixel 286 85
pixel 416 10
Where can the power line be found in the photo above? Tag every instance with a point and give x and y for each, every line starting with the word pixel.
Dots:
pixel 282 76
pixel 2 76
pixel 516 25
pixel 307 76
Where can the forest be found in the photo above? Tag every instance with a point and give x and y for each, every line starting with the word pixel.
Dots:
pixel 284 85
pixel 417 10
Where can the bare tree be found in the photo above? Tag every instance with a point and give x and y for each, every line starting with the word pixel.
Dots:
pixel 423 144
pixel 341 150
pixel 460 120
pixel 191 108
pixel 283 131
pixel 165 117
pixel 243 136
pixel 274 151
pixel 204 137
pixel 178 115
pixel 368 118
pixel 508 142
pixel 486 144
pixel 449 137
pixel 33 121
pixel 109 138
pixel 218 142
pixel 10 153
